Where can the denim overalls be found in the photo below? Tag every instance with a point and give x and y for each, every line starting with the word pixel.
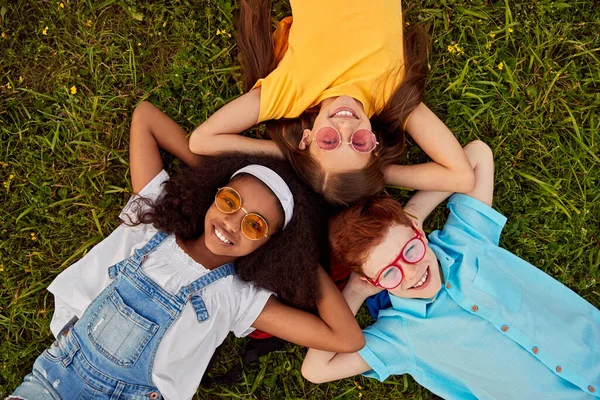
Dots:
pixel 109 352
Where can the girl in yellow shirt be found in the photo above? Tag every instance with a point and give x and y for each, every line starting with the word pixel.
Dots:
pixel 338 85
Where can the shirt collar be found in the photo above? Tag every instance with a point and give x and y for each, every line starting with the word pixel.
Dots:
pixel 444 258
pixel 416 307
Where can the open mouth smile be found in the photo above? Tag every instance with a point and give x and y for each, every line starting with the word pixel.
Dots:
pixel 344 112
pixel 424 279
pixel 221 236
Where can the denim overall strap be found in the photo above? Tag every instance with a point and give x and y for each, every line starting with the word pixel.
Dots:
pixel 191 291
pixel 139 255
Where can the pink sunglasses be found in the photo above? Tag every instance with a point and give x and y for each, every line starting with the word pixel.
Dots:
pixel 362 140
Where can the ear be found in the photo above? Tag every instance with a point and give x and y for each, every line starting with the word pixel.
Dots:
pixel 418 227
pixel 305 141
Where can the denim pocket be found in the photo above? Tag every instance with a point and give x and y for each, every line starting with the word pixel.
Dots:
pixel 118 332
pixel 55 353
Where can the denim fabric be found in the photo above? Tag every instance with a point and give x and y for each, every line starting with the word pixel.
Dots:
pixel 109 352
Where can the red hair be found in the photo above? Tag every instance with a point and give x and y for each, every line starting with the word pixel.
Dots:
pixel 356 230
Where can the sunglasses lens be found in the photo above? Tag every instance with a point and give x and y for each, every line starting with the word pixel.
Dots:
pixel 228 200
pixel 363 141
pixel 414 251
pixel 391 277
pixel 327 138
pixel 254 226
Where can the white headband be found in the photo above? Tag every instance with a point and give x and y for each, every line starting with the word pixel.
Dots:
pixel 276 184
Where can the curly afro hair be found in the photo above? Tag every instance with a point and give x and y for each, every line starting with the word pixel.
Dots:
pixel 287 263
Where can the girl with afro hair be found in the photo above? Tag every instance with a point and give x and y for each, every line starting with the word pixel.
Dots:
pixel 199 255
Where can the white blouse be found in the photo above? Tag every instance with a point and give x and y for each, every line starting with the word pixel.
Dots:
pixel 184 353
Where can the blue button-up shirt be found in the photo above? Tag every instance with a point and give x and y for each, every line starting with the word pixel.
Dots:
pixel 498 329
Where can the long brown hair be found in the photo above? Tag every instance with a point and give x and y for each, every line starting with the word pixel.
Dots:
pixel 257 57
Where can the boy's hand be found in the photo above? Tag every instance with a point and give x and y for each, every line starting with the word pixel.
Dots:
pixel 358 285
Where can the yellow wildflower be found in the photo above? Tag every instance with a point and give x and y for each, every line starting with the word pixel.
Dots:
pixel 510 30
pixel 2 270
pixel 4 165
pixel 359 387
pixel 139 44
pixel 89 23
pixel 20 79
pixel 45 31
pixel 501 66
pixel 73 89
pixel 488 45
pixel 218 31
pixel 61 5
pixel 11 176
pixel 33 236
pixel 359 395
pixel 164 24
pixel 455 49
pixel 3 34
pixel 492 35
pixel 8 85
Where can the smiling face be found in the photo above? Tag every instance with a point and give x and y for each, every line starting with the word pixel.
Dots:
pixel 421 280
pixel 223 234
pixel 346 115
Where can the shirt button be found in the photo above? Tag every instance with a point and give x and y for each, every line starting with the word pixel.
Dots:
pixel 535 350
pixel 474 308
pixel 504 328
pixel 591 389
pixel 558 368
pixel 448 285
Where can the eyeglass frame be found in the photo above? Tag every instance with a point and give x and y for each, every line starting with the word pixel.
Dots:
pixel 342 140
pixel 394 263
pixel 244 210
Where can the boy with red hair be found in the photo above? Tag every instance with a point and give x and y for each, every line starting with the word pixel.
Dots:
pixel 468 319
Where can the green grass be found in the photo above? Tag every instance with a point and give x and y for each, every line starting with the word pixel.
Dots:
pixel 64 156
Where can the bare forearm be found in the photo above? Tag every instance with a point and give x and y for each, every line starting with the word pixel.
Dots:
pixel 221 132
pixel 335 329
pixel 336 312
pixel 481 159
pixel 324 366
pixel 168 135
pixel 428 176
pixel 449 169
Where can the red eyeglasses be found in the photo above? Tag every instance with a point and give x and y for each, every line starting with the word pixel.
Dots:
pixel 391 276
pixel 362 140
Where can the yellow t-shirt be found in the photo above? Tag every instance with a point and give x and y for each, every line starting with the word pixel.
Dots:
pixel 335 48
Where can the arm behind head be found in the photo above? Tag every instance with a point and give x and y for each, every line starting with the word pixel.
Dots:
pixel 481 158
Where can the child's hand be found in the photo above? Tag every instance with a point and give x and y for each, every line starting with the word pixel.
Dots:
pixel 359 285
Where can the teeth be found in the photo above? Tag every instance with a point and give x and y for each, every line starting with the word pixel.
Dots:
pixel 221 236
pixel 343 113
pixel 422 281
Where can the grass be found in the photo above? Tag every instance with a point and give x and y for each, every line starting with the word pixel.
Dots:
pixel 522 76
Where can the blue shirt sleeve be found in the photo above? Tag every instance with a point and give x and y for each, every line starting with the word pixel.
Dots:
pixel 386 351
pixel 474 218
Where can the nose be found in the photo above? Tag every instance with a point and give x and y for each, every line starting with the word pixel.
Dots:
pixel 346 127
pixel 233 222
pixel 412 271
